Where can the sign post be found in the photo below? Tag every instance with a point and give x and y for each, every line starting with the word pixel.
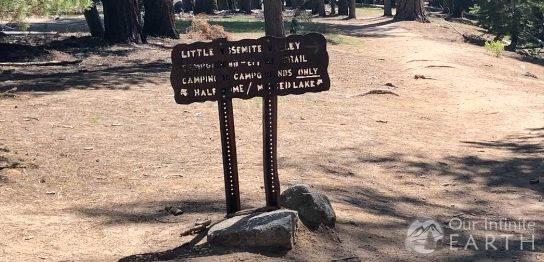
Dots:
pixel 266 67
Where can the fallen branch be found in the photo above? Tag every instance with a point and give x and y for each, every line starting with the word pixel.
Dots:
pixel 7 33
pixel 463 35
pixel 529 74
pixel 45 63
pixel 252 211
pixel 376 92
pixel 447 66
pixel 196 229
pixel 422 77
pixel 346 259
pixel 535 39
pixel 8 93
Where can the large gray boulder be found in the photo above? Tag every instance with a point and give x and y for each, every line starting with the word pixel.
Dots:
pixel 272 229
pixel 314 208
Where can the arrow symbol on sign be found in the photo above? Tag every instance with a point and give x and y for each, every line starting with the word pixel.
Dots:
pixel 314 46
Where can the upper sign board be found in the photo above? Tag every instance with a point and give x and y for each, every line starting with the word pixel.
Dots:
pixel 268 66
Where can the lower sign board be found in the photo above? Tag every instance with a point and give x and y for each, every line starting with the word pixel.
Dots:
pixel 268 66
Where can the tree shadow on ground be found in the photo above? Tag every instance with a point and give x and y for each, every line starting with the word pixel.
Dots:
pixel 99 77
pixel 62 25
pixel 40 48
pixel 522 161
pixel 372 27
pixel 149 212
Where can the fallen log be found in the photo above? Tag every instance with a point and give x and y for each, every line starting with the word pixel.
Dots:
pixel 44 63
pixel 534 38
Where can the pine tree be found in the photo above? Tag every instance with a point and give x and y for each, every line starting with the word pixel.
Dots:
pixel 18 11
pixel 521 20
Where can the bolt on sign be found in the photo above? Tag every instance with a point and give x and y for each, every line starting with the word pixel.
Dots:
pixel 266 67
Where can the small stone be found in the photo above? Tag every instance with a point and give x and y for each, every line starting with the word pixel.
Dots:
pixel 311 205
pixel 271 229
pixel 176 211
pixel 12 172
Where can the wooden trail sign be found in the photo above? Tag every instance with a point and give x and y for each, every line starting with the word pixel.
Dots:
pixel 266 67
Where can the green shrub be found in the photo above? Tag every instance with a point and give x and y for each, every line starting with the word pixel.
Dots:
pixel 494 46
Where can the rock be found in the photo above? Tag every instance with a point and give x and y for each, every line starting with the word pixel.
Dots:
pixel 271 229
pixel 313 207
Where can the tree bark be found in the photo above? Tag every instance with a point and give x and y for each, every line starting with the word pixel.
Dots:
pixel 343 7
pixel 321 8
pixel 387 8
pixel 245 5
pixel 222 5
pixel 159 19
pixel 188 5
pixel 122 22
pixel 457 8
pixel 411 10
pixel 514 30
pixel 256 4
pixel 273 19
pixel 351 9
pixel 313 3
pixel 232 4
pixel 93 21
pixel 333 7
pixel 447 6
pixel 204 6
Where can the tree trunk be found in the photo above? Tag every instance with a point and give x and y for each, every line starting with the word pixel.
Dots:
pixel 457 8
pixel 188 5
pixel 321 8
pixel 232 4
pixel 222 5
pixel 514 31
pixel 411 10
pixel 204 6
pixel 273 19
pixel 351 9
pixel 122 21
pixel 159 19
pixel 256 4
pixel 93 21
pixel 245 5
pixel 447 6
pixel 333 7
pixel 343 7
pixel 387 8
pixel 314 7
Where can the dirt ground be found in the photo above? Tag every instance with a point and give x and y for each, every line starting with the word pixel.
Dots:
pixel 91 154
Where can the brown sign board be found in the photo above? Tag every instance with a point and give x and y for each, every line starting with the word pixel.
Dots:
pixel 268 66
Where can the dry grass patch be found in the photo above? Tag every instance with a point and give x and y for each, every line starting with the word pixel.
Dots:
pixel 201 30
